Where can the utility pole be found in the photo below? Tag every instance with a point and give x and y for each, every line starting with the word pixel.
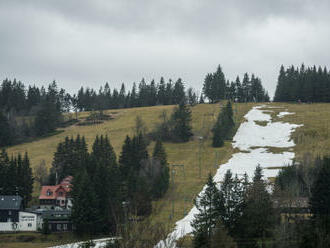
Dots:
pixel 200 156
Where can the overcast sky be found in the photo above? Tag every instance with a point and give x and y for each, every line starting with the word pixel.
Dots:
pixel 90 42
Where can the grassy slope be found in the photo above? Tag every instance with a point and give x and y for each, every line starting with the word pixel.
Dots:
pixel 314 136
pixel 186 185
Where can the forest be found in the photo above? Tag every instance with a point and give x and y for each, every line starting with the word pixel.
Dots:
pixel 304 84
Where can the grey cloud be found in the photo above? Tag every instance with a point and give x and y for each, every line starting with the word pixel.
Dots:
pixel 91 42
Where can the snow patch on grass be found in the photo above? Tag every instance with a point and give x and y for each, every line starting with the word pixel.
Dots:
pixel 249 136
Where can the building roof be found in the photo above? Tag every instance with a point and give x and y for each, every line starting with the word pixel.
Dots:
pixel 50 192
pixel 11 202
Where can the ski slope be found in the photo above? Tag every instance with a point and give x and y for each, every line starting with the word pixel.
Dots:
pixel 252 140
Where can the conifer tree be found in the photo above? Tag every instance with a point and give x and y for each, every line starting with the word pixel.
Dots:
pixel 257 218
pixel 205 221
pixel 5 131
pixel 320 200
pixel 85 213
pixel 224 126
pixel 161 182
pixel 182 129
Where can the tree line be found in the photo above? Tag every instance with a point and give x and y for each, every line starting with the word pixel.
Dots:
pixel 303 84
pixel 16 176
pixel 25 114
pixel 216 87
pixel 107 190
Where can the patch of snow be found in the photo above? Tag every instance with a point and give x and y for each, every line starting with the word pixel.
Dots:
pixel 248 136
pixel 282 114
pixel 99 243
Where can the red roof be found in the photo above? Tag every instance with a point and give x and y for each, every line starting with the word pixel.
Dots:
pixel 52 192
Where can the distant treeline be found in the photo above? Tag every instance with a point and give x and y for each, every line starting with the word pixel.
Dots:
pixel 141 95
pixel 305 84
pixel 30 113
pixel 217 88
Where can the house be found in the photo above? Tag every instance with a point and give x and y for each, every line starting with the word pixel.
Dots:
pixel 52 196
pixel 13 218
pixel 58 220
pixel 10 205
pixel 293 209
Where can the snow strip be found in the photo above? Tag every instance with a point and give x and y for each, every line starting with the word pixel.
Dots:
pixel 248 136
pixel 99 243
pixel 282 114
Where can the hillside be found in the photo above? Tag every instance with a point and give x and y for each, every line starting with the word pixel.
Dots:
pixel 312 137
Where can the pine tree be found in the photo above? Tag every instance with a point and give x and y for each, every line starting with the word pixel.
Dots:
pixel 205 221
pixel 85 213
pixel 182 129
pixel 5 131
pixel 223 128
pixel 257 218
pixel 320 200
pixel 161 183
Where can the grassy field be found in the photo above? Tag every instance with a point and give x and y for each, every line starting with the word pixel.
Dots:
pixel 314 136
pixel 198 158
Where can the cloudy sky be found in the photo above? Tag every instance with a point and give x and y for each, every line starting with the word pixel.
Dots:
pixel 90 42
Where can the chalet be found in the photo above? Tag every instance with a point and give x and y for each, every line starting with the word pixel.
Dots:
pixel 293 209
pixel 52 196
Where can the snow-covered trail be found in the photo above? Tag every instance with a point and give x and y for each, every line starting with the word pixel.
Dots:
pixel 252 140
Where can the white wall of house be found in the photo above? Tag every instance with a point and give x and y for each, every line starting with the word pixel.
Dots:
pixel 27 222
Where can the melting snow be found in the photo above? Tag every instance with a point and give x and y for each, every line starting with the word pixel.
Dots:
pixel 254 139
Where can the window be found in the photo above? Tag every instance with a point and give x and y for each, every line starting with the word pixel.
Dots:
pixel 49 192
pixel 59 227
pixel 60 193
pixel 9 220
pixel 29 224
pixel 63 201
pixel 9 212
pixel 65 227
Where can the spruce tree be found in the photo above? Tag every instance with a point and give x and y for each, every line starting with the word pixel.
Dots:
pixel 161 183
pixel 5 131
pixel 320 199
pixel 85 212
pixel 257 218
pixel 181 117
pixel 223 128
pixel 205 221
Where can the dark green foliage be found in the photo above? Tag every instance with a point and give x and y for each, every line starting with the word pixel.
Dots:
pixel 16 176
pixel 162 181
pixel 232 193
pixel 71 155
pixel 5 131
pixel 303 84
pixel 257 218
pixel 97 178
pixel 223 128
pixel 144 179
pixel 85 212
pixel 142 95
pixel 208 216
pixel 216 88
pixel 30 113
pixel 45 227
pixel 182 130
pixel 320 199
